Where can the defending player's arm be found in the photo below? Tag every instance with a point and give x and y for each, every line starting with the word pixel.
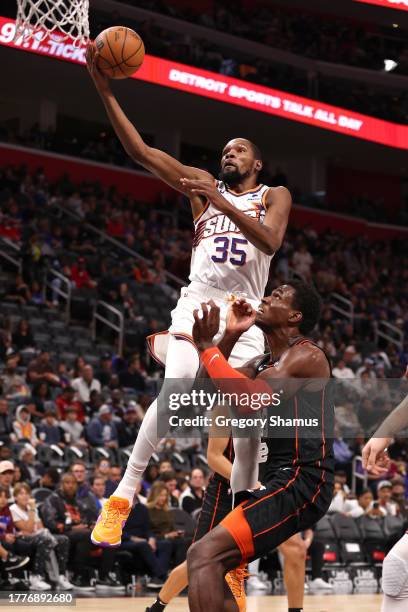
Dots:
pixel 268 236
pixel 374 452
pixel 158 162
pixel 308 362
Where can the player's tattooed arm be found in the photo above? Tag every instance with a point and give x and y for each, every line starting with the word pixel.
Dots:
pixel 162 165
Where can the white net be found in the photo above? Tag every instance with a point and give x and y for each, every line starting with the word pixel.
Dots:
pixel 60 19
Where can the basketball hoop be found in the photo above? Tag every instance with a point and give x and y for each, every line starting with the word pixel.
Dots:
pixel 59 19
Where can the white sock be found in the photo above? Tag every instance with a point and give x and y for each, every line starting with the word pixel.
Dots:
pixel 182 362
pixel 253 567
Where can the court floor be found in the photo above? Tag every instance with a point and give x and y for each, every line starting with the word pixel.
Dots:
pixel 313 603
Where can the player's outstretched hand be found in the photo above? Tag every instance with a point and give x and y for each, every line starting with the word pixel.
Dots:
pixel 240 317
pixel 101 80
pixel 375 457
pixel 207 326
pixel 207 188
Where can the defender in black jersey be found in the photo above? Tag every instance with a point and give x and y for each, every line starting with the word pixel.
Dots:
pixel 299 465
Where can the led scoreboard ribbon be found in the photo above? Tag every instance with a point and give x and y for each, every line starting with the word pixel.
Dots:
pixel 394 4
pixel 226 89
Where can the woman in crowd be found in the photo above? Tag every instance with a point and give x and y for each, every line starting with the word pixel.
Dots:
pixel 22 337
pixel 50 548
pixel 162 521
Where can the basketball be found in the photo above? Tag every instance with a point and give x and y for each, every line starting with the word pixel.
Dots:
pixel 121 52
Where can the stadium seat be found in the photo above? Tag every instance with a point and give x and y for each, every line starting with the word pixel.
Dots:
pixel 374 538
pixel 350 539
pixel 183 522
pixel 324 533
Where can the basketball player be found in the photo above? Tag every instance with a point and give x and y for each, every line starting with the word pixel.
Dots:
pixel 217 505
pixel 298 472
pixel 375 460
pixel 239 225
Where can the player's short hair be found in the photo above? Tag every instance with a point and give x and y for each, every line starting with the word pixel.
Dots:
pixel 255 149
pixel 308 301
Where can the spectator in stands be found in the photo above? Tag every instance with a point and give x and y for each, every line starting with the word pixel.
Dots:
pixel 22 337
pixel 398 495
pixel 40 400
pixel 132 377
pixel 150 476
pixel 29 470
pixel 101 430
pixel 50 479
pixel 342 371
pixel 347 420
pixel 192 497
pixel 128 427
pixel 162 521
pixel 104 372
pixel 170 480
pixel 85 384
pixel 102 468
pixel 72 428
pixel 78 470
pixel 79 364
pixel 66 400
pixel 115 475
pixel 49 431
pixel 139 539
pixel 41 369
pixel 302 262
pixel 165 466
pixel 18 291
pixel 80 275
pixel 142 273
pixel 23 428
pixel 9 544
pixel 13 384
pixel 96 400
pixel 384 489
pixel 6 478
pixel 47 547
pixel 98 491
pixel 6 426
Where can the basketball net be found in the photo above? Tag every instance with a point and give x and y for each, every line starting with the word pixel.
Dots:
pixel 59 19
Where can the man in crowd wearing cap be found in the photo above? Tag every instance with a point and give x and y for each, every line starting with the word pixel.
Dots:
pixel 129 426
pixel 6 478
pixel 115 476
pixel 384 493
pixel 102 430
pixel 84 384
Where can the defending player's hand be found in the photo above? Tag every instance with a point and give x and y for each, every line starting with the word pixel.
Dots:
pixel 375 457
pixel 207 326
pixel 240 317
pixel 101 80
pixel 207 188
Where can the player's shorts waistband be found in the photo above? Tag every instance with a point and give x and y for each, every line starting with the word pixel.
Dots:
pixel 208 292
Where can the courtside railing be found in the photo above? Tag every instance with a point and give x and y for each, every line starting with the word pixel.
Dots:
pixel 342 306
pixel 101 314
pixel 389 332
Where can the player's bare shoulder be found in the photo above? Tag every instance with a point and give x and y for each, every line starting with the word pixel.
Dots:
pixel 278 196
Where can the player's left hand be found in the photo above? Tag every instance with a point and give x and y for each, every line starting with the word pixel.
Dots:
pixel 240 317
pixel 375 457
pixel 207 188
pixel 207 326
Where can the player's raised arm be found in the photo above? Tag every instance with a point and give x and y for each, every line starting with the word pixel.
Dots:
pixel 158 162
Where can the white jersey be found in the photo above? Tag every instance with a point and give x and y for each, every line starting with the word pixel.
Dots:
pixel 222 257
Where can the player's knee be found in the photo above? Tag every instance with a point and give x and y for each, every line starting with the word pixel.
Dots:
pixel 294 551
pixel 199 555
pixel 395 576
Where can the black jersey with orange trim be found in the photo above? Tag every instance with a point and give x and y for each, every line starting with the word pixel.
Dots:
pixel 305 438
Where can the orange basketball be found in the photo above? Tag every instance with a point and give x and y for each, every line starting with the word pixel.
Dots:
pixel 121 52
